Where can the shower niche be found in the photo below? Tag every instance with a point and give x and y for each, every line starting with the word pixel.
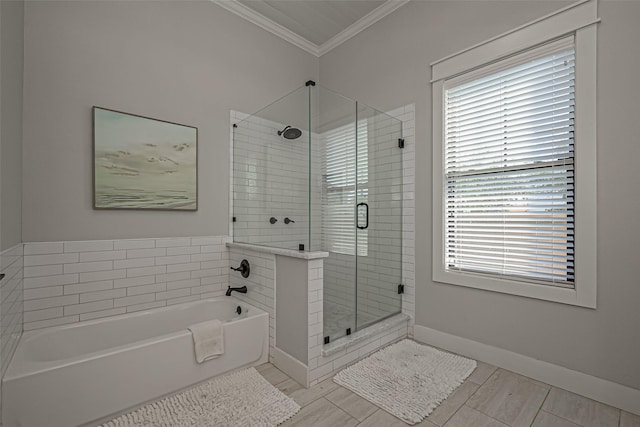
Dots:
pixel 318 173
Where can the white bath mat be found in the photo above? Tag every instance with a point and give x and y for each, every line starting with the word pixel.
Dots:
pixel 243 398
pixel 407 379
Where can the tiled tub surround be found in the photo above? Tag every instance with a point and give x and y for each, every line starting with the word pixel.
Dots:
pixel 67 282
pixel 94 361
pixel 11 295
pixel 260 283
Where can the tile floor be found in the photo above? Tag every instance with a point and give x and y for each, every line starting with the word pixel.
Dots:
pixel 490 397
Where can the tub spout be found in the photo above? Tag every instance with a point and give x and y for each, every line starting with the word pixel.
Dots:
pixel 242 290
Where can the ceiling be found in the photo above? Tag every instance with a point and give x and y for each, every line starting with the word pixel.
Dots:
pixel 314 25
pixel 316 21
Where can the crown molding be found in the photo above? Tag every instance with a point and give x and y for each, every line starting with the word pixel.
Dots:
pixel 273 27
pixel 265 23
pixel 361 24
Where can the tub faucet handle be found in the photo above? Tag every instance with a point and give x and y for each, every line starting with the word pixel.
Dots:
pixel 288 220
pixel 244 268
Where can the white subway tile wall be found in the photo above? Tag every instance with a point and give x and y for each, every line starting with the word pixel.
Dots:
pixel 270 179
pixel 407 115
pixel 260 284
pixel 315 273
pixel 11 296
pixel 68 282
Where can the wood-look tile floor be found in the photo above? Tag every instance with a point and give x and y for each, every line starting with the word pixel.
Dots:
pixel 490 397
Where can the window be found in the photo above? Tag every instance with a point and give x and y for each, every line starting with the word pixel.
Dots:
pixel 342 179
pixel 509 169
pixel 514 171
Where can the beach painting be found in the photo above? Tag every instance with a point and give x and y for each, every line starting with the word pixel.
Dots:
pixel 143 163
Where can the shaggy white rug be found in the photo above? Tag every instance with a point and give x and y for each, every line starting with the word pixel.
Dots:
pixel 407 379
pixel 242 398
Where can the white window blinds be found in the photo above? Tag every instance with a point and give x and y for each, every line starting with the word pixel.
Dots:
pixel 509 168
pixel 342 179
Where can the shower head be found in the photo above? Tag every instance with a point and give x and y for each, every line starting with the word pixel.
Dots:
pixel 290 133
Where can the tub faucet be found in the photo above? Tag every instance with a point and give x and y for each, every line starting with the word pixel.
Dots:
pixel 242 290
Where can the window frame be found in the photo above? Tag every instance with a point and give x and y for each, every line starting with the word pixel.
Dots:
pixel 578 20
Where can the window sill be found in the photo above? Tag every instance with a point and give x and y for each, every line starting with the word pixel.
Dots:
pixel 584 298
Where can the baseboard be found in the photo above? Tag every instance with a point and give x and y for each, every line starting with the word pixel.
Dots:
pixel 291 366
pixel 598 389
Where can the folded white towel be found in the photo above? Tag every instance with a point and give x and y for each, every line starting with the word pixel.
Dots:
pixel 208 339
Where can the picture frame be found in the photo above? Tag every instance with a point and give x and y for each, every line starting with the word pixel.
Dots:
pixel 143 163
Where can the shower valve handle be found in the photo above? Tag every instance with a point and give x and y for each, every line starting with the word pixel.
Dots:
pixel 287 221
pixel 244 268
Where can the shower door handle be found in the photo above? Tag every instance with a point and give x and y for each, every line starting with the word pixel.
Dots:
pixel 366 224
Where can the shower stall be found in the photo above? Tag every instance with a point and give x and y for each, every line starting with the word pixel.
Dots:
pixel 316 171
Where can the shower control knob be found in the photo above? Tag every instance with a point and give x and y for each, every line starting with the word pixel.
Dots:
pixel 287 221
pixel 244 269
pixel 273 220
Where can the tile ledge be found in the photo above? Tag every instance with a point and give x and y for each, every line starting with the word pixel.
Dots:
pixel 279 251
pixel 362 335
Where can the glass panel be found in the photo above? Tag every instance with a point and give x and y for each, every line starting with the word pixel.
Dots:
pixel 333 207
pixel 379 228
pixel 271 174
pixel 309 170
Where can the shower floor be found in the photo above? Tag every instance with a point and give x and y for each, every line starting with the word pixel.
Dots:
pixel 338 318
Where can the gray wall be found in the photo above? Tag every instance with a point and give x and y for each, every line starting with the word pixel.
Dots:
pixel 388 66
pixel 183 61
pixel 11 49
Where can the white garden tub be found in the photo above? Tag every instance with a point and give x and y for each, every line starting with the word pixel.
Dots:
pixel 77 374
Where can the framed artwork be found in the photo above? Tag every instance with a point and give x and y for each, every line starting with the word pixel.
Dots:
pixel 143 163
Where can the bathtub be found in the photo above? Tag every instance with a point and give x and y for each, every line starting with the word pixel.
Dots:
pixel 83 373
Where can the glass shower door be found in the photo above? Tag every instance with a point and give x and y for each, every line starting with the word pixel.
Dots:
pixel 334 123
pixel 361 210
pixel 378 216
